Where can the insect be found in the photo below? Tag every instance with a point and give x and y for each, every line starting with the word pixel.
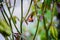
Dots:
pixel 30 17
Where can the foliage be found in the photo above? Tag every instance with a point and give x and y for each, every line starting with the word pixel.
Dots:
pixel 43 14
pixel 4 28
pixel 53 32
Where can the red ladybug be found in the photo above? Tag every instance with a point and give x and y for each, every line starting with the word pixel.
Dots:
pixel 30 18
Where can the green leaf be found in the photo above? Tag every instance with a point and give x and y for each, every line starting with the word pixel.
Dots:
pixel 48 15
pixel 42 35
pixel 53 32
pixel 55 10
pixel 1 29
pixel 33 8
pixel 14 19
pixel 39 11
pixel 4 28
pixel 47 3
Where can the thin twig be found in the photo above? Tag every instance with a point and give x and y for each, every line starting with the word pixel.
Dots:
pixel 44 20
pixel 52 14
pixel 45 27
pixel 28 9
pixel 10 22
pixel 35 4
pixel 4 17
pixel 6 14
pixel 12 19
pixel 21 17
pixel 36 29
pixel 13 6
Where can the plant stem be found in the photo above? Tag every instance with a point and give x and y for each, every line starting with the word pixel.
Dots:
pixel 43 11
pixel 21 17
pixel 10 22
pixel 13 6
pixel 29 9
pixel 12 19
pixel 52 14
pixel 4 17
pixel 36 29
pixel 11 29
pixel 45 27
pixel 35 4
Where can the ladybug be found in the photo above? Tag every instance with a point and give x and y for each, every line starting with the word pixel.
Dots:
pixel 30 18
